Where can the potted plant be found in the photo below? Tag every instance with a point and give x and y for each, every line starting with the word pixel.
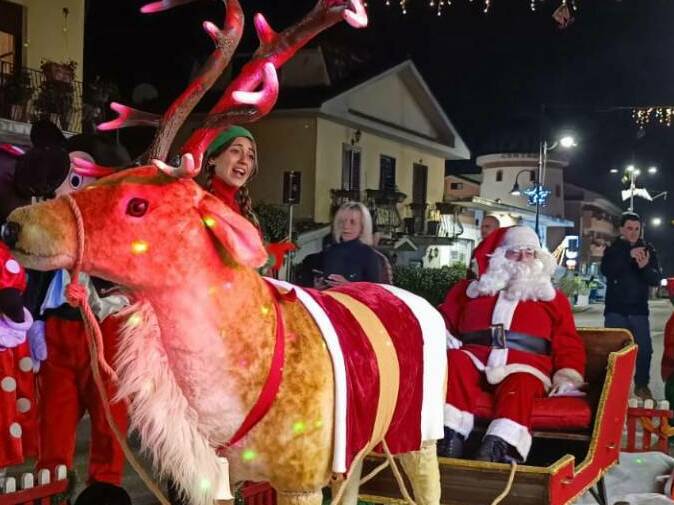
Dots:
pixel 17 91
pixel 57 92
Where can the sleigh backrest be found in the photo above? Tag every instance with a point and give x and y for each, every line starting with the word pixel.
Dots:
pixel 599 344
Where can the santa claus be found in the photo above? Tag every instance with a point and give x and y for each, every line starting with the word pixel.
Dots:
pixel 512 332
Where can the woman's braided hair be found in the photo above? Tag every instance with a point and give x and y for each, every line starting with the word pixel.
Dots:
pixel 242 195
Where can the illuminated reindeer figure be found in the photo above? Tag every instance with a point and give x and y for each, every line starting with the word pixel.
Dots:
pixel 293 386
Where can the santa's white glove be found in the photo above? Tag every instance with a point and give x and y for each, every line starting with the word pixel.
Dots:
pixel 37 344
pixel 452 341
pixel 566 382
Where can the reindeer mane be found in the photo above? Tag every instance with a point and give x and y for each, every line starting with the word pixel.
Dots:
pixel 159 411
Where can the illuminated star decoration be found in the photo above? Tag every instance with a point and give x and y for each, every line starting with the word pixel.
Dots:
pixel 538 195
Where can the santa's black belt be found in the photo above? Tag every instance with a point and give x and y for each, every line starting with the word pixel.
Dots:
pixel 497 336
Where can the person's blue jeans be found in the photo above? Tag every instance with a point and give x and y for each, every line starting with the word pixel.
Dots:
pixel 640 328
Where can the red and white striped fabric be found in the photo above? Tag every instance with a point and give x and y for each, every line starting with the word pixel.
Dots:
pixel 387 344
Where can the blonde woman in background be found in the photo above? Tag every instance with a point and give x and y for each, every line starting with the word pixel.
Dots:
pixel 351 258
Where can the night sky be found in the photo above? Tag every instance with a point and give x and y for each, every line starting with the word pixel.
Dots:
pixel 489 71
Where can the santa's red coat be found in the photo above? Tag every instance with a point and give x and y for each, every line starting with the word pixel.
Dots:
pixel 549 320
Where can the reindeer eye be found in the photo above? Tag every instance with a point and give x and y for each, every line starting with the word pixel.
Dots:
pixel 137 207
pixel 75 181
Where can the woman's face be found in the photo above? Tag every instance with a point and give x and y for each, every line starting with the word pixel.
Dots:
pixel 235 164
pixel 352 225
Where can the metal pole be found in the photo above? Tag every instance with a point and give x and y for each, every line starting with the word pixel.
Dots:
pixel 542 148
pixel 290 237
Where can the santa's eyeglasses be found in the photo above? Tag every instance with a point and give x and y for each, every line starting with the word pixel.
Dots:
pixel 520 253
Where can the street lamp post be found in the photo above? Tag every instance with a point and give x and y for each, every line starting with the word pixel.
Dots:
pixel 632 173
pixel 566 142
pixel 633 178
pixel 516 191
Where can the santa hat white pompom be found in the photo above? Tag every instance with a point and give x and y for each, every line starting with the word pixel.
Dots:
pixel 520 237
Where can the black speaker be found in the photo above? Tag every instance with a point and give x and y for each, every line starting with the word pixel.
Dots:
pixel 292 187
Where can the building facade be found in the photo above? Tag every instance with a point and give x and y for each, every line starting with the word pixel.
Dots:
pixel 596 223
pixel 33 32
pixel 383 142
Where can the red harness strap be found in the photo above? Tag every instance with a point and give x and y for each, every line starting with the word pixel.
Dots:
pixel 273 382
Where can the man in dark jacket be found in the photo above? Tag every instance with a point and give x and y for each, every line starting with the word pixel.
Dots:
pixel 631 267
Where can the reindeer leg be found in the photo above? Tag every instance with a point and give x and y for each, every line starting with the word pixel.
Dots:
pixel 350 493
pixel 290 498
pixel 424 473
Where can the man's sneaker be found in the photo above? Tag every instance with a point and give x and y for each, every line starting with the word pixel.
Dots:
pixel 643 392
pixel 452 445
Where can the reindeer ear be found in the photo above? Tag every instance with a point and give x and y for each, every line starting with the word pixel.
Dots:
pixel 237 235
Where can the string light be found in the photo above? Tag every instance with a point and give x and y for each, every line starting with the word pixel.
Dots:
pixel 248 455
pixel 644 116
pixel 438 6
pixel 139 247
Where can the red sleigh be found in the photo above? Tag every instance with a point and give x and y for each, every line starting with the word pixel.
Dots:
pixel 576 440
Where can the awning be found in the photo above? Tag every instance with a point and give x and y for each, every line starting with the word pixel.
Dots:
pixel 487 205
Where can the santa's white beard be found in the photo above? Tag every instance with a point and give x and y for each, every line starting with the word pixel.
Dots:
pixel 520 280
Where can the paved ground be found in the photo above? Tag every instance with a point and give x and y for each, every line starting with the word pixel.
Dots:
pixel 592 317
pixel 660 312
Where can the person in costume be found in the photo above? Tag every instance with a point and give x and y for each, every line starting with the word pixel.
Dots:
pixel 511 332
pixel 66 386
pixel 667 364
pixel 229 165
pixel 17 392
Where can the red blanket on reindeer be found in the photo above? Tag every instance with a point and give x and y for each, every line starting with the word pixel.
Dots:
pixel 373 331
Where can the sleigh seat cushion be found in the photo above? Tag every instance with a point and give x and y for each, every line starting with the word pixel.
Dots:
pixel 560 413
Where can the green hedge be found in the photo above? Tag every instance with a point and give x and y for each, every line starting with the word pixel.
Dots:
pixel 429 283
pixel 273 220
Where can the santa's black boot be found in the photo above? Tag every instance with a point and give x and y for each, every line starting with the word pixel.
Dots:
pixel 497 450
pixel 102 493
pixel 452 445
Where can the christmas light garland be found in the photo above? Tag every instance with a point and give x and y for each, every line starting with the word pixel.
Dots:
pixel 438 6
pixel 644 116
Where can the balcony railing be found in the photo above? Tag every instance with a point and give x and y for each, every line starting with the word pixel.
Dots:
pixel 26 95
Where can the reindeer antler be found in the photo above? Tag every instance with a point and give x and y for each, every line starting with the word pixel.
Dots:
pixel 226 42
pixel 128 116
pixel 276 49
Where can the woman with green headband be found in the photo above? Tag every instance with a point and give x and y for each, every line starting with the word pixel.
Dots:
pixel 230 162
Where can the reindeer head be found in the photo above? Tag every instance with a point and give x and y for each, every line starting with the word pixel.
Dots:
pixel 142 228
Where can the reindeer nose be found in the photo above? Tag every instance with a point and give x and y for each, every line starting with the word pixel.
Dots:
pixel 9 233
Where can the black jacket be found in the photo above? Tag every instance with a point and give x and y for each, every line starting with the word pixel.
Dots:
pixel 627 284
pixel 354 260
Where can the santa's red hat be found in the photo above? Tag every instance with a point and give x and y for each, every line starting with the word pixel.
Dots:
pixel 509 237
pixel 670 286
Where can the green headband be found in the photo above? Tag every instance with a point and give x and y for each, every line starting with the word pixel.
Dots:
pixel 227 136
